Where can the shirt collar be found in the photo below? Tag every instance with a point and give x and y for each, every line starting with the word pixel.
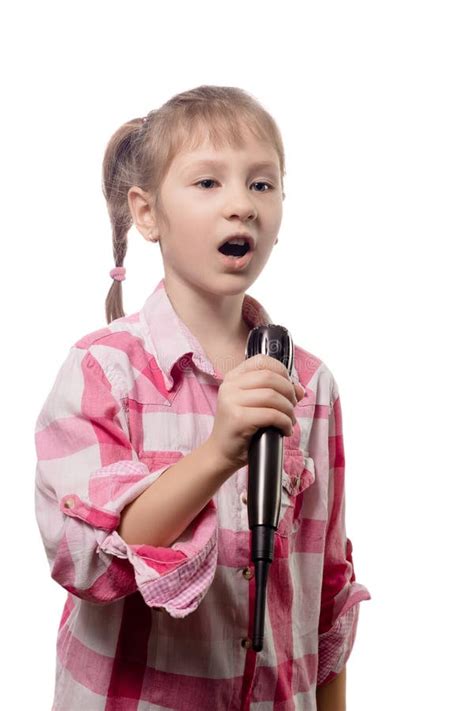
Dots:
pixel 171 338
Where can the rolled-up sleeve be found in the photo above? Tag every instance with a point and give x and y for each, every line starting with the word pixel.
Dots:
pixel 86 473
pixel 341 593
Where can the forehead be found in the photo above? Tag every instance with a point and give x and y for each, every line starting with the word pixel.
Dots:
pixel 203 153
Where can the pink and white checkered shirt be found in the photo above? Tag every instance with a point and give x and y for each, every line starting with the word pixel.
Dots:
pixel 146 627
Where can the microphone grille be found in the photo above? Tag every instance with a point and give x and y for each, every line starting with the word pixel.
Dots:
pixel 273 340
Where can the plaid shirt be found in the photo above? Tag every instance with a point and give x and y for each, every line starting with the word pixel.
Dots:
pixel 146 627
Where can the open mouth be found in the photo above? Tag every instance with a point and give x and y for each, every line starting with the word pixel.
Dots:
pixel 234 250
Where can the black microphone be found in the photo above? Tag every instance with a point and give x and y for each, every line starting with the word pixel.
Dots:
pixel 265 462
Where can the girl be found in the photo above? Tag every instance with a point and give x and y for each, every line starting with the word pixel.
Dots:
pixel 142 446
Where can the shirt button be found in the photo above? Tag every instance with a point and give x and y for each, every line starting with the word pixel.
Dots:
pixel 244 497
pixel 246 643
pixel 247 573
pixel 69 504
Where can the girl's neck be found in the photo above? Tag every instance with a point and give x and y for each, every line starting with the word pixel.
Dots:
pixel 215 321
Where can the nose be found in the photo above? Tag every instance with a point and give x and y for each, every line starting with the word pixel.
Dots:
pixel 240 203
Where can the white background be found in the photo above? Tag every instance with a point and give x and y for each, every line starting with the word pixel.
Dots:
pixel 375 104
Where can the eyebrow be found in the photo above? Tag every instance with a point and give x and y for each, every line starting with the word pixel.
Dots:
pixel 221 164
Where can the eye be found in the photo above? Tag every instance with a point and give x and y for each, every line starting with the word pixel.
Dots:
pixel 210 180
pixel 205 180
pixel 270 187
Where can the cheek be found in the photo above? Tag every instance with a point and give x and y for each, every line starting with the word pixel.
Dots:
pixel 192 212
pixel 275 216
pixel 194 228
pixel 187 242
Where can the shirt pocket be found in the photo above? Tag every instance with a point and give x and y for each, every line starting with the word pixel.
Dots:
pixel 152 390
pixel 298 473
pixel 155 424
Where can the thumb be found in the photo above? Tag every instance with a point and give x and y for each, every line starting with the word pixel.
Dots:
pixel 262 361
pixel 300 391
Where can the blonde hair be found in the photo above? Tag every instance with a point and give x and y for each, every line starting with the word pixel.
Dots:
pixel 140 153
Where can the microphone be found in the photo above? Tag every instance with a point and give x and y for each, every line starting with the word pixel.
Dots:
pixel 265 462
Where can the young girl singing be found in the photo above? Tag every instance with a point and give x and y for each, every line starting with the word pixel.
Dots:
pixel 142 446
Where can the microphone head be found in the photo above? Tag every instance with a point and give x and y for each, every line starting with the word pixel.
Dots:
pixel 272 340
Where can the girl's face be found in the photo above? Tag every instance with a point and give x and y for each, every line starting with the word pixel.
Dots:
pixel 208 195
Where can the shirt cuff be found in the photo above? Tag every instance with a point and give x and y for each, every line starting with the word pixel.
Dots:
pixel 335 645
pixel 174 578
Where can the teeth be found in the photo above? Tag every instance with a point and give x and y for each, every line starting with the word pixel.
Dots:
pixel 239 240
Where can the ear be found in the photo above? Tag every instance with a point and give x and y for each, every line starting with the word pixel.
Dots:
pixel 139 204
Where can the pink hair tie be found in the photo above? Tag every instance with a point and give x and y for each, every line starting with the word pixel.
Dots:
pixel 118 273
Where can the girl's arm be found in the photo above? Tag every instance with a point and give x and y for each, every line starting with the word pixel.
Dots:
pixel 166 508
pixel 332 696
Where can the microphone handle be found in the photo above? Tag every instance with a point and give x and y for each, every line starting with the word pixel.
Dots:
pixel 265 462
pixel 264 502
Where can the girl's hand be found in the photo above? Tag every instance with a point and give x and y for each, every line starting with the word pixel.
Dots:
pixel 257 393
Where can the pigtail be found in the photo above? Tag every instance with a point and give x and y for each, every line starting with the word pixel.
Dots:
pixel 117 178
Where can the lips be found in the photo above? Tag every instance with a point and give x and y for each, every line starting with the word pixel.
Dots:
pixel 239 235
pixel 236 264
